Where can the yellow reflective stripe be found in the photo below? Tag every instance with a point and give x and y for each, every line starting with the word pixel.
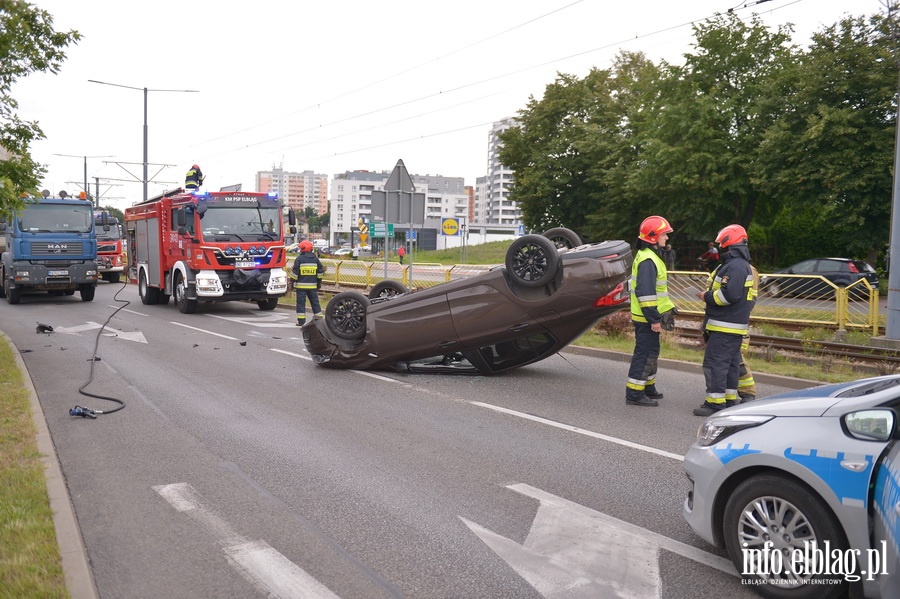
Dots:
pixel 727 327
pixel 719 298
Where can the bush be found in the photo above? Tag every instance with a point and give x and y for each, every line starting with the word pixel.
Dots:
pixel 615 325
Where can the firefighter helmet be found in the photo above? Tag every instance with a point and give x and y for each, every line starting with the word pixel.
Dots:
pixel 306 246
pixel 653 227
pixel 731 235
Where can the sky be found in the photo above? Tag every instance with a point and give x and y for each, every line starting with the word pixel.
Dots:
pixel 331 86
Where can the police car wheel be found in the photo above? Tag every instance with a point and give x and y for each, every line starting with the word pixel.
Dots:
pixel 781 511
pixel 532 260
pixel 345 315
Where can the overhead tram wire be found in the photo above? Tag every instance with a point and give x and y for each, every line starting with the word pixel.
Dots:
pixel 481 82
pixel 390 77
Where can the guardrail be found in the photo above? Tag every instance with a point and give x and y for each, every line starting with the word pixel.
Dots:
pixel 817 301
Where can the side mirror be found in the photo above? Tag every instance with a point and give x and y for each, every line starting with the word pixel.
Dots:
pixel 871 425
pixel 180 219
pixel 292 220
pixel 200 209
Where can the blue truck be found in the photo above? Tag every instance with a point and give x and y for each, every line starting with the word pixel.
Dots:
pixel 49 245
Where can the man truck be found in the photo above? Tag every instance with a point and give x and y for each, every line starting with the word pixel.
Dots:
pixel 49 245
pixel 208 247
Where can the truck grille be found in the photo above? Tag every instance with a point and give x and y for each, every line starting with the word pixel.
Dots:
pixel 74 248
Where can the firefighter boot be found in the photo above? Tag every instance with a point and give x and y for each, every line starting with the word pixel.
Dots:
pixel 651 392
pixel 745 397
pixel 319 315
pixel 301 320
pixel 707 409
pixel 640 400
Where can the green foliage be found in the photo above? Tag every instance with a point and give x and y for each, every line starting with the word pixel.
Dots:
pixel 28 44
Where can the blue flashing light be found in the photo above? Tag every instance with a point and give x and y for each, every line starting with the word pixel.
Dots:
pixel 272 194
pixel 201 194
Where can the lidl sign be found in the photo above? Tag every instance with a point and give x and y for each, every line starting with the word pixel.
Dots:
pixel 450 226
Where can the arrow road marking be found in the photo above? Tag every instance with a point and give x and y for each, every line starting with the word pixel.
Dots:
pixel 260 564
pixel 136 336
pixel 575 552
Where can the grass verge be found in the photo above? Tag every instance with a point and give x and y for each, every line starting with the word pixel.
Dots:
pixel 30 564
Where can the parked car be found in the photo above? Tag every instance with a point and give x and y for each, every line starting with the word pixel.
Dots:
pixel 775 480
pixel 343 252
pixel 842 272
pixel 546 295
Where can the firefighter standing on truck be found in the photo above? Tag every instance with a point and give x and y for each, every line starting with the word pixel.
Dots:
pixel 194 179
pixel 729 301
pixel 651 312
pixel 307 273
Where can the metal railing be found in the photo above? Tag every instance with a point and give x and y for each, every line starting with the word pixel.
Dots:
pixel 801 300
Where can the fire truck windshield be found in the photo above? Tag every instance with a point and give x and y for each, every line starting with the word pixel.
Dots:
pixel 114 233
pixel 56 218
pixel 258 223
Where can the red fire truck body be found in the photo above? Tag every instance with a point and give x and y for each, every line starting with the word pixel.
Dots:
pixel 207 247
pixel 111 259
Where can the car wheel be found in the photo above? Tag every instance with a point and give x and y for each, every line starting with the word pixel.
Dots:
pixel 387 288
pixel 149 295
pixel 267 304
pixel 773 289
pixel 185 305
pixel 533 260
pixel 87 292
pixel 778 510
pixel 563 238
pixel 345 315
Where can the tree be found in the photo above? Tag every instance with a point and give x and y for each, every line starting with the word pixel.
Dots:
pixel 28 44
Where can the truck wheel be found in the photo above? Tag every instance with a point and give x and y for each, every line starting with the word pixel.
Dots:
pixel 87 293
pixel 111 277
pixel 2 283
pixel 267 304
pixel 185 305
pixel 13 296
pixel 149 295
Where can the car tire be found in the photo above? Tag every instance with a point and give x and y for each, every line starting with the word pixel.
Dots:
pixel 387 288
pixel 267 304
pixel 345 315
pixel 563 238
pixel 748 520
pixel 533 260
pixel 773 289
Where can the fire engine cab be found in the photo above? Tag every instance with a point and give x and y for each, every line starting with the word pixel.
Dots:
pixel 208 247
pixel 110 247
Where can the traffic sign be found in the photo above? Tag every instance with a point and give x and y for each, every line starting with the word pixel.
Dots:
pixel 378 229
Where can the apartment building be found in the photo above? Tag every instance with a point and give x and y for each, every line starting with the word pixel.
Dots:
pixel 492 203
pixel 297 190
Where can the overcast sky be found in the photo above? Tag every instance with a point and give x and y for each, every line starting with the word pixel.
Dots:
pixel 331 86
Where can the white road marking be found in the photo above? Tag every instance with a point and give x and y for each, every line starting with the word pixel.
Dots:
pixel 290 353
pixel 203 331
pixel 135 336
pixel 581 431
pixel 376 376
pixel 260 564
pixel 267 321
pixel 575 552
pixel 126 310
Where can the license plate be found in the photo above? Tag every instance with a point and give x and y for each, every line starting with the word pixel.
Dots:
pixel 57 273
pixel 245 264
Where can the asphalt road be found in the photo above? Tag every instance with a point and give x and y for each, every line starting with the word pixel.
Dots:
pixel 240 469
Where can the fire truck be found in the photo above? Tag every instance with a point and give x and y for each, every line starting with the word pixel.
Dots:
pixel 208 247
pixel 111 259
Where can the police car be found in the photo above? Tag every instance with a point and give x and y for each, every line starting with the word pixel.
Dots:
pixel 802 489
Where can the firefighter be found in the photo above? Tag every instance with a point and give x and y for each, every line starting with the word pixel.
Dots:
pixel 729 301
pixel 307 273
pixel 651 308
pixel 194 179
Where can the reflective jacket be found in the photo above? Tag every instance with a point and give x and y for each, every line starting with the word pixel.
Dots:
pixel 307 271
pixel 649 287
pixel 193 179
pixel 731 294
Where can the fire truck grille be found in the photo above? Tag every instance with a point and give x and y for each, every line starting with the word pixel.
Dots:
pixel 73 248
pixel 106 247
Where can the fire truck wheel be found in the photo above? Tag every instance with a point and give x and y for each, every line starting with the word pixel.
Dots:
pixel 267 304
pixel 111 277
pixel 149 295
pixel 87 293
pixel 185 305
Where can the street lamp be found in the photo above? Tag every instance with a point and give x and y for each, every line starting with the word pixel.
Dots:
pixel 145 115
pixel 87 190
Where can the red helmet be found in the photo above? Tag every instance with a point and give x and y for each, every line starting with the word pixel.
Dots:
pixel 306 246
pixel 195 166
pixel 653 227
pixel 731 235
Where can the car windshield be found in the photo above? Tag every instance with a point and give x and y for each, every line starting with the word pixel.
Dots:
pixel 56 218
pixel 241 221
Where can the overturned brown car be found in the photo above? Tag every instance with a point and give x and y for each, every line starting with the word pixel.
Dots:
pixel 551 290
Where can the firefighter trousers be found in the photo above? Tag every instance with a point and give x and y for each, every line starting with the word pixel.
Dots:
pixel 644 361
pixel 721 367
pixel 313 295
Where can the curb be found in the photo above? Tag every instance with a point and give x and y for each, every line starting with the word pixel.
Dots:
pixel 79 579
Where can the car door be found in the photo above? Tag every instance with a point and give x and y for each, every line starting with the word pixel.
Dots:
pixel 886 529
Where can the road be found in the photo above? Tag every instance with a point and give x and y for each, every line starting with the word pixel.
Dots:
pixel 239 469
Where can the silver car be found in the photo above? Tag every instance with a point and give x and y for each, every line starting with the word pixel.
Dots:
pixel 803 490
